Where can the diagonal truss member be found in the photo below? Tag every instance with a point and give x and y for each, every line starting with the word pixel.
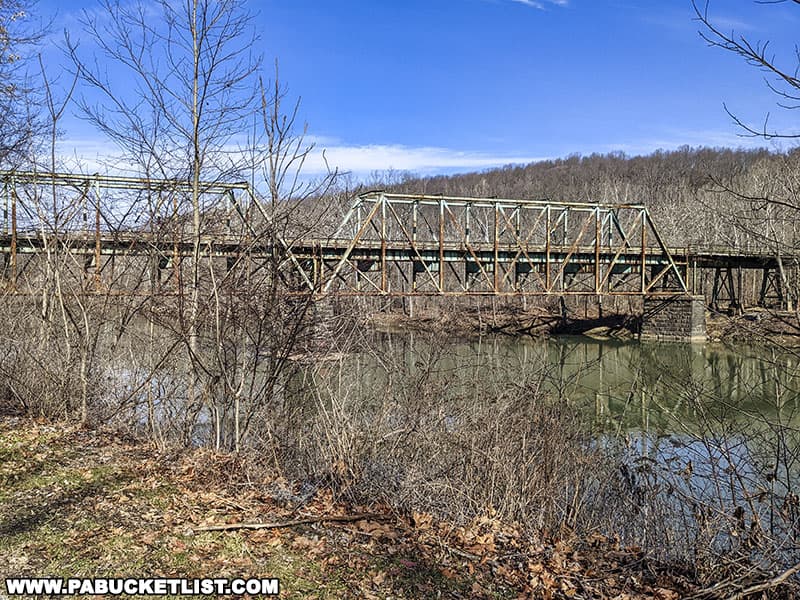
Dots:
pixel 404 244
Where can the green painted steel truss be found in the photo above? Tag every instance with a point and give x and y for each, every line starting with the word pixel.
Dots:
pixel 386 245
pixel 402 244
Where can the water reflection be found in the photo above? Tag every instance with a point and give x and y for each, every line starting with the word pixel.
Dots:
pixel 700 442
pixel 628 386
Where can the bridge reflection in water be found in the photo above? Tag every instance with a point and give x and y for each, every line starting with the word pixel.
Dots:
pixel 630 387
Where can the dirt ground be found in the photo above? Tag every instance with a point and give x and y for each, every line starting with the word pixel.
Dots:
pixel 86 503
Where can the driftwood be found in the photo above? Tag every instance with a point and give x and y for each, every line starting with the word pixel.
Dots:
pixel 766 585
pixel 281 525
pixel 716 591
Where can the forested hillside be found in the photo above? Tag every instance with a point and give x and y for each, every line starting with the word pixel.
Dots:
pixel 704 196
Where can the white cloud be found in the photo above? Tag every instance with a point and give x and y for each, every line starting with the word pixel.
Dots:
pixel 89 155
pixel 541 5
pixel 532 3
pixel 729 23
pixel 425 159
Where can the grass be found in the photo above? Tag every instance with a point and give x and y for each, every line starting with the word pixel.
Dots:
pixel 84 503
pixel 79 503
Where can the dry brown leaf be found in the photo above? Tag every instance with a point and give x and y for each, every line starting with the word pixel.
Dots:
pixel 421 521
pixel 568 589
pixel 535 567
pixel 597 539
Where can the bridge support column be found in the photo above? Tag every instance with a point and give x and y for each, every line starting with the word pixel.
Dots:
pixel 771 289
pixel 321 315
pixel 678 318
pixel 727 288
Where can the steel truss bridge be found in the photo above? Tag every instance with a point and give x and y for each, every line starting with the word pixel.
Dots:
pixel 385 245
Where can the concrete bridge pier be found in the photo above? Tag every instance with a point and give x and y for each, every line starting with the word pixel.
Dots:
pixel 320 318
pixel 675 318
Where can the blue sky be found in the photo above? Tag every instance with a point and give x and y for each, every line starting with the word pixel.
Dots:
pixel 457 85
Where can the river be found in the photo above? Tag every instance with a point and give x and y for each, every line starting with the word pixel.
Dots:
pixel 694 439
pixel 626 385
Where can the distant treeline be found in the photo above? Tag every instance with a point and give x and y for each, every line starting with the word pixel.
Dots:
pixel 720 196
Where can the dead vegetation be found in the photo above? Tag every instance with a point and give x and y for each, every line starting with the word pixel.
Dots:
pixel 410 482
pixel 83 502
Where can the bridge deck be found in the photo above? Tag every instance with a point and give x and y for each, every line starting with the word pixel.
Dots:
pixel 127 243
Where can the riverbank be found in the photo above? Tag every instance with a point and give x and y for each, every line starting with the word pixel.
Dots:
pixel 76 502
pixel 755 325
pixel 471 322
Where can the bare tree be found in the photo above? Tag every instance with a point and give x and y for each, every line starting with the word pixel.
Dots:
pixel 20 121
pixel 780 72
pixel 769 208
pixel 199 114
pixel 195 84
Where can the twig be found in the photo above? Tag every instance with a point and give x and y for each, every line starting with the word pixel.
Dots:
pixel 461 553
pixel 222 500
pixel 771 583
pixel 308 521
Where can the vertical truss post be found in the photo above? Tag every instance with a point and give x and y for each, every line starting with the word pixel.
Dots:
pixel 229 204
pixel 384 279
pixel 441 244
pixel 466 222
pixel 414 210
pixel 643 216
pixel 519 286
pixel 250 234
pixel 13 232
pixel 564 243
pixel 82 226
pixel 176 255
pixel 317 281
pixel 7 189
pixel 97 240
pixel 496 268
pixel 740 289
pixel 597 235
pixel 84 212
pixel 467 210
pixel 547 283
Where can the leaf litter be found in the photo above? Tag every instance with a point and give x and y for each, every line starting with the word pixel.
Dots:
pixel 80 502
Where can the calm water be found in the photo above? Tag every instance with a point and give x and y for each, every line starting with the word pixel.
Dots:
pixel 697 415
pixel 631 386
